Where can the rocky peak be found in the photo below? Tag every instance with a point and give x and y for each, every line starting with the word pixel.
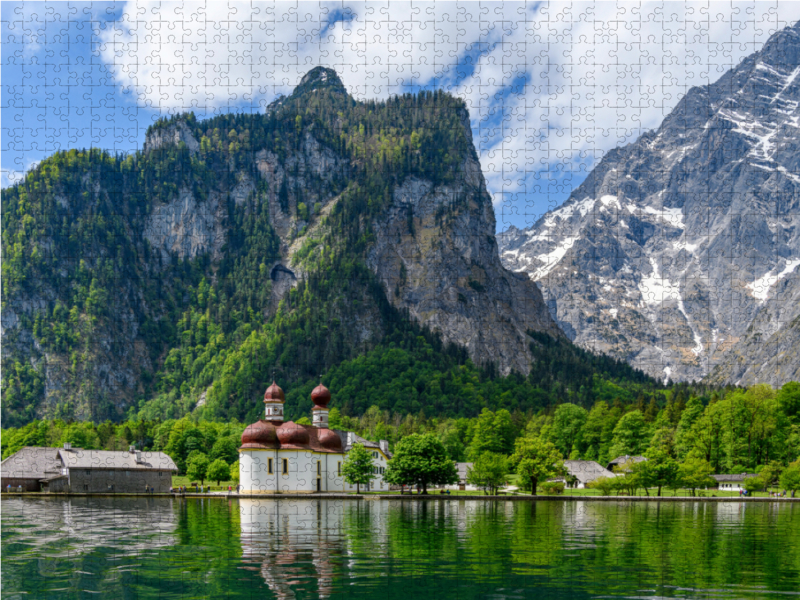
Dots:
pixel 320 78
pixel 680 247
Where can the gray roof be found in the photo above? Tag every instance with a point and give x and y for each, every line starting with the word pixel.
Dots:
pixel 350 439
pixel 737 477
pixel 32 463
pixel 78 458
pixel 463 468
pixel 586 470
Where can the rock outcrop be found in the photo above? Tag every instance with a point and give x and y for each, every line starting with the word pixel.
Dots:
pixel 437 257
pixel 679 253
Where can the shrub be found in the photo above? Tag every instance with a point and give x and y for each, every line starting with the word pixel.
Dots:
pixel 553 488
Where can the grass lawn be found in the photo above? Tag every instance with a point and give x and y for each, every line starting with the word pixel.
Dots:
pixel 179 480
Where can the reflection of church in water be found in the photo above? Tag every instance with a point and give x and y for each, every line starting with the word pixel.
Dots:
pixel 289 458
pixel 299 547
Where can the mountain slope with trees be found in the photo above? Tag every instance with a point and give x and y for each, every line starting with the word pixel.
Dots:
pixel 322 236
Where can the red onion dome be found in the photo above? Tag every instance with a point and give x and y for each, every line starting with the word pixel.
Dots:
pixel 274 394
pixel 321 396
pixel 292 434
pixel 260 434
pixel 329 440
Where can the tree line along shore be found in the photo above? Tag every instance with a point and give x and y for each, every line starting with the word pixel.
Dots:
pixel 686 439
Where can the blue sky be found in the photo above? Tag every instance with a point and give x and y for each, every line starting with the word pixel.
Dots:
pixel 551 87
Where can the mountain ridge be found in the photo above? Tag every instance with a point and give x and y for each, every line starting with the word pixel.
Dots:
pixel 677 243
pixel 179 278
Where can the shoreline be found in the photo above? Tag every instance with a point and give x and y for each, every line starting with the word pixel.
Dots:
pixel 407 497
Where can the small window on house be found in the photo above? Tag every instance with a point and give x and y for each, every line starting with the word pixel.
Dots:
pixel 127 473
pixel 160 474
pixel 85 488
pixel 285 466
pixel 269 466
pixel 339 468
pixel 88 472
pixel 319 467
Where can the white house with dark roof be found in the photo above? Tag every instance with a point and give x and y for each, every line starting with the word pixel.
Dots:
pixel 731 482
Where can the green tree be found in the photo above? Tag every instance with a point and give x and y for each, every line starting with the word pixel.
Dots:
pixel 234 472
pixel 219 470
pixel 788 399
pixel 790 478
pixel 568 422
pixel 197 467
pixel 226 448
pixel 770 472
pixel 334 418
pixel 695 473
pixel 357 468
pixel 421 460
pixel 536 459
pixel 489 471
pixel 605 485
pixel 684 440
pixel 485 437
pixel 755 484
pixel 630 435
pixel 659 470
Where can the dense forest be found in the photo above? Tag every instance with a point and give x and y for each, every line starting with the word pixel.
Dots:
pixel 733 430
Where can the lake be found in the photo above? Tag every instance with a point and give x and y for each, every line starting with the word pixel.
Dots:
pixel 122 548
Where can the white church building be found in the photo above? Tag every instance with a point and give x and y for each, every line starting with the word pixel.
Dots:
pixel 288 458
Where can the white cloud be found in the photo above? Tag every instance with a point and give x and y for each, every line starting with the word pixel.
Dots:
pixel 9 177
pixel 554 85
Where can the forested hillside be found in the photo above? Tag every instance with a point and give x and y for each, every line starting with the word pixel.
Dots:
pixel 353 240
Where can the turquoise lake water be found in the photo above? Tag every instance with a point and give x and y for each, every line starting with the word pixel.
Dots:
pixel 125 548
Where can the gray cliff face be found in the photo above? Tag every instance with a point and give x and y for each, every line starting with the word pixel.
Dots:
pixel 437 257
pixel 188 227
pixel 680 252
pixel 173 134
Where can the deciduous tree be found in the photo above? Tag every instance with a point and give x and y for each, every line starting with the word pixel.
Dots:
pixel 694 473
pixel 421 459
pixel 536 459
pixel 488 471
pixel 218 470
pixel 357 468
pixel 197 467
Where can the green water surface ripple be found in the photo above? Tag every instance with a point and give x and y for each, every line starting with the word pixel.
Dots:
pixel 163 548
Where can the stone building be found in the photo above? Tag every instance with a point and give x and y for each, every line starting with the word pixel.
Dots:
pixel 28 467
pixel 288 458
pixel 107 471
pixel 77 470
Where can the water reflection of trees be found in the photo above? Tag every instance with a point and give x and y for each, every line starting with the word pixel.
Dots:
pixel 592 548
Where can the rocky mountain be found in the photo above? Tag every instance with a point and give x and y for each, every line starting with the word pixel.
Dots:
pixel 183 275
pixel 679 253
